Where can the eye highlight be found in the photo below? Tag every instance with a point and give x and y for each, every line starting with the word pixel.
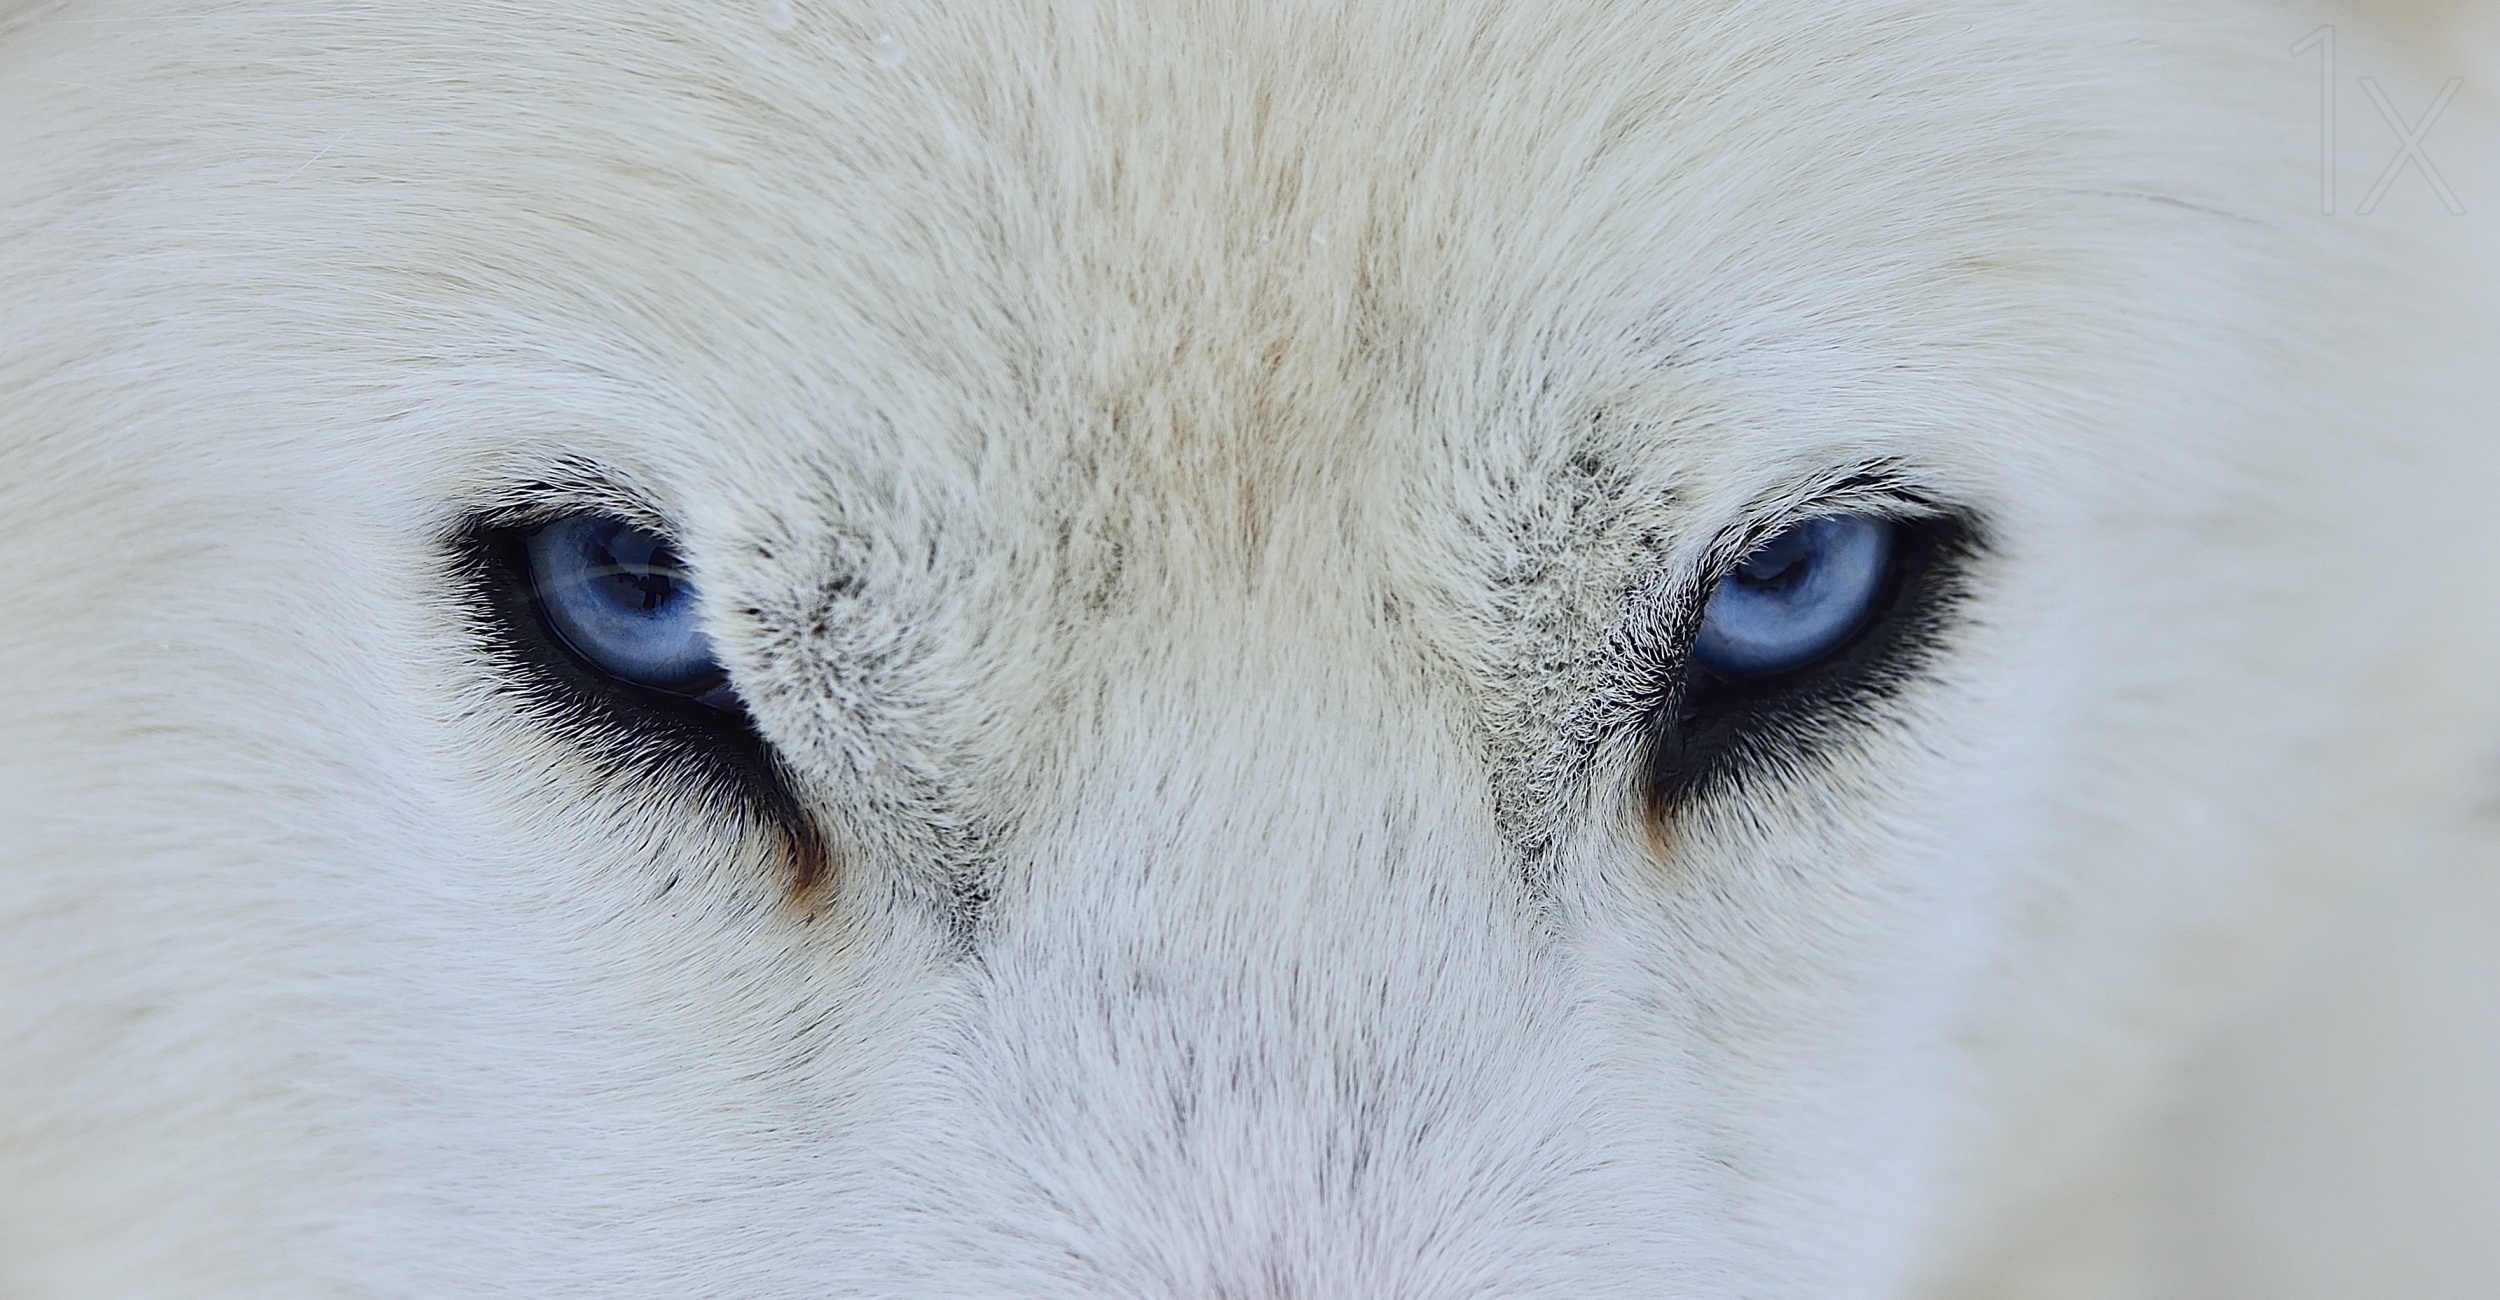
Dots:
pixel 1796 598
pixel 619 598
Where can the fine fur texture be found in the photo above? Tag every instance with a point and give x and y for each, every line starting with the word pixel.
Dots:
pixel 1205 503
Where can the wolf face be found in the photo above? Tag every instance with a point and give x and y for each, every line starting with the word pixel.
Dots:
pixel 1188 649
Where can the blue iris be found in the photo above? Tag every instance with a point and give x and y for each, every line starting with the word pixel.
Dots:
pixel 620 598
pixel 1795 598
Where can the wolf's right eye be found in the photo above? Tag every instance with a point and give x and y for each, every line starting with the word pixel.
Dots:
pixel 618 597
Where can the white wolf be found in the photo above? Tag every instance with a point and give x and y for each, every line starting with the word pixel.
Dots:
pixel 1248 648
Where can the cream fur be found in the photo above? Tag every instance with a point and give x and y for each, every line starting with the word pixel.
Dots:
pixel 1182 476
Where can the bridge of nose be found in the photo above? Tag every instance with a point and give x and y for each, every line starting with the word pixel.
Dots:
pixel 1261 812
pixel 1261 974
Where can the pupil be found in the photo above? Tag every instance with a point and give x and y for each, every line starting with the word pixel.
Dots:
pixel 644 582
pixel 650 589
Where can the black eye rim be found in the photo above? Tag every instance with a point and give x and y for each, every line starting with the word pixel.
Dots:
pixel 633 735
pixel 529 645
pixel 1709 730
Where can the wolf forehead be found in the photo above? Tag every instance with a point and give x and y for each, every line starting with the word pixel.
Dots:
pixel 1262 260
pixel 1201 298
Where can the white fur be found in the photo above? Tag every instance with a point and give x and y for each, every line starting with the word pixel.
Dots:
pixel 1185 472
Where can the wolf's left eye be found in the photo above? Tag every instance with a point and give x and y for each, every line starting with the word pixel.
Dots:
pixel 1795 598
pixel 619 598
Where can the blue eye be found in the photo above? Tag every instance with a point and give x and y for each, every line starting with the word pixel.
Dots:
pixel 620 598
pixel 1795 598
